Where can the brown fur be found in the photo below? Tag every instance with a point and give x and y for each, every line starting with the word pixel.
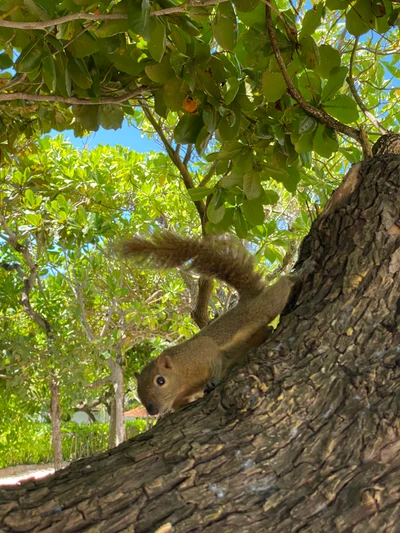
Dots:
pixel 207 357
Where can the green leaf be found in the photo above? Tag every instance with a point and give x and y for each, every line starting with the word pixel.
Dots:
pixel 311 20
pixel 83 44
pixel 343 108
pixel 234 179
pixel 240 224
pixel 49 69
pixel 29 58
pixel 157 41
pixel 229 125
pixel 360 18
pixel 175 92
pixel 270 197
pixel 309 52
pixel 246 5
pixel 334 83
pixel 231 150
pixel 160 72
pixel 305 142
pixel 34 218
pixel 307 124
pixel 325 141
pixel 273 86
pixel 79 72
pixel 310 86
pixel 87 116
pixel 139 18
pixel 329 58
pixel 126 60
pixel 108 28
pixel 210 118
pixel 215 213
pixel 230 90
pixel 111 116
pixel 254 18
pixel 290 183
pixel 251 184
pixel 253 212
pixel 224 26
pixel 202 140
pixel 270 171
pixel 206 83
pixel 198 193
pixel 5 61
pixel 188 128
pixel 337 4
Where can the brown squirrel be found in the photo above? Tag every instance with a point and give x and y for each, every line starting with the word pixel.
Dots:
pixel 181 373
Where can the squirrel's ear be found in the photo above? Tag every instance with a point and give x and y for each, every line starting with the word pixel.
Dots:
pixel 165 361
pixel 137 375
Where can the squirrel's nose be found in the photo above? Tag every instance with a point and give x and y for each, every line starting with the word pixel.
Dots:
pixel 152 409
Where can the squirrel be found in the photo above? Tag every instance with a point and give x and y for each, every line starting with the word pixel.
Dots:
pixel 181 373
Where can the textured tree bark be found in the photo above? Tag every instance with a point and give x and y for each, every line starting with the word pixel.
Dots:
pixel 304 438
pixel 117 424
pixel 55 421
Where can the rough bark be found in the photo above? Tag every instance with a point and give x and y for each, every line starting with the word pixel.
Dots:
pixel 55 421
pixel 117 426
pixel 304 438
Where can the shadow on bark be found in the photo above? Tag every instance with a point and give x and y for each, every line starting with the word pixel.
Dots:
pixel 304 438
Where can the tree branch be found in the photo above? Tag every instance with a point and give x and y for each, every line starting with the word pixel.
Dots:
pixel 72 99
pixel 67 18
pixel 356 96
pixel 182 8
pixel 25 298
pixel 187 178
pixel 319 114
pixel 209 174
pixel 42 25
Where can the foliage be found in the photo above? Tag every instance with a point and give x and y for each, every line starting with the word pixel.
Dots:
pixel 78 440
pixel 258 105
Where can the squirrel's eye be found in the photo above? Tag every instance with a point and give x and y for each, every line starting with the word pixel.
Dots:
pixel 160 381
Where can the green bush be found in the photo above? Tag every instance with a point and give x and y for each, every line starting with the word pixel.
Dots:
pixel 32 443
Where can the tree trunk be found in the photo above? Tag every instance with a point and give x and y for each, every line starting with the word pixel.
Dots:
pixel 55 421
pixel 304 438
pixel 117 426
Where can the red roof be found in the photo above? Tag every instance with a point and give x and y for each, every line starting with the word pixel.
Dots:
pixel 138 412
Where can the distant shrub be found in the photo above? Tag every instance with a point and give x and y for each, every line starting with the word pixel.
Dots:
pixel 32 443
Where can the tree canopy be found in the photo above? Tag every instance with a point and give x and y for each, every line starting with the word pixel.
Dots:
pixel 257 91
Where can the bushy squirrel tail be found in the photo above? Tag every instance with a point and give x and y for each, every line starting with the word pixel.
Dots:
pixel 214 257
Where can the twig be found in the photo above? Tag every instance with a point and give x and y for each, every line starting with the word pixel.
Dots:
pixel 209 174
pixel 98 17
pixel 319 114
pixel 356 96
pixel 67 18
pixel 72 99
pixel 187 178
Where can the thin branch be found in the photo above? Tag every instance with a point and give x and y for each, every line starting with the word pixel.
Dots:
pixel 25 296
pixel 98 17
pixel 107 323
pixel 72 99
pixel 187 178
pixel 356 96
pixel 99 382
pixel 67 18
pixel 319 114
pixel 182 8
pixel 209 174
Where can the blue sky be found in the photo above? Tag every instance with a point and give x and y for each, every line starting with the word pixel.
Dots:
pixel 127 136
